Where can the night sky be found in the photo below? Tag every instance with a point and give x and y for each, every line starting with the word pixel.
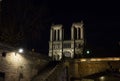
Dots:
pixel 101 22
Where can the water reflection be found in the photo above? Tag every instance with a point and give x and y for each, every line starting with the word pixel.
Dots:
pixel 107 78
pixel 104 78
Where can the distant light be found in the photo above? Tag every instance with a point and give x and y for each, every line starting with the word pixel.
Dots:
pixel 20 50
pixel 102 78
pixel 88 52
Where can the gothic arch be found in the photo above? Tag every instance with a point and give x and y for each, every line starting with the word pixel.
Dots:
pixel 67 53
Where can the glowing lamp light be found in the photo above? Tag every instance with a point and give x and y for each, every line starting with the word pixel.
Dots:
pixel 20 50
pixel 102 78
pixel 88 52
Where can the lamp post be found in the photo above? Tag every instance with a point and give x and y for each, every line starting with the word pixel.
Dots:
pixel 20 50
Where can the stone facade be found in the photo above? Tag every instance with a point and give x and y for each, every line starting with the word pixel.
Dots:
pixel 59 47
pixel 20 67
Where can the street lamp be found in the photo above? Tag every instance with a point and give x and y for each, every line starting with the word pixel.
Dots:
pixel 20 50
pixel 88 52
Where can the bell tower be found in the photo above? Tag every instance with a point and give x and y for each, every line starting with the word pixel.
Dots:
pixel 77 38
pixel 77 31
pixel 56 33
pixel 56 40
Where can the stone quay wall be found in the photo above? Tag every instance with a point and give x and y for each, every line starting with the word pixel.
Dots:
pixel 82 69
pixel 20 67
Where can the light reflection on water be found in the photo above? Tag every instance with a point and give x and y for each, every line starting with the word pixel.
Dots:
pixel 103 78
pixel 107 78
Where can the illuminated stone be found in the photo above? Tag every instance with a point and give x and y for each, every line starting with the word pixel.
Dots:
pixel 20 67
pixel 58 47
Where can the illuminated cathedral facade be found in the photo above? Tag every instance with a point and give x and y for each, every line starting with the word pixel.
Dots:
pixel 60 48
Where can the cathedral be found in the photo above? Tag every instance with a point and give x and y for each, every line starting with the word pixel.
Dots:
pixel 60 48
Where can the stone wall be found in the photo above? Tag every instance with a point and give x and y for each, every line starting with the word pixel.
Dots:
pixel 28 67
pixel 20 67
pixel 67 70
pixel 81 69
